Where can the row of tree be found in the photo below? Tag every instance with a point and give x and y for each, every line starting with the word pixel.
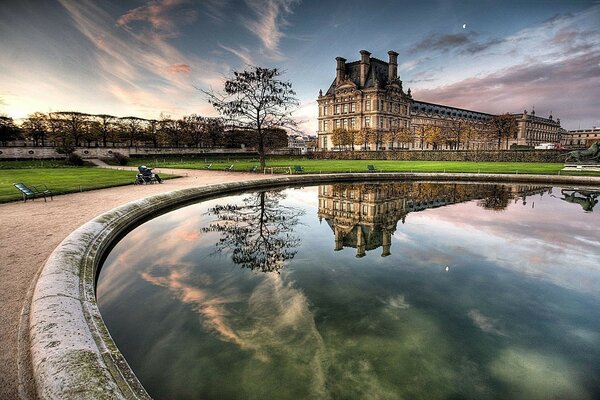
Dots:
pixel 454 134
pixel 70 128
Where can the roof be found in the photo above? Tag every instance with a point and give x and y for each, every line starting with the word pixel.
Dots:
pixel 377 71
pixel 419 105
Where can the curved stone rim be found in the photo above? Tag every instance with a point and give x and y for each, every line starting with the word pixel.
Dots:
pixel 72 352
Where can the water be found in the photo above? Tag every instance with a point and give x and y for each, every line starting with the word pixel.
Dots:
pixel 391 291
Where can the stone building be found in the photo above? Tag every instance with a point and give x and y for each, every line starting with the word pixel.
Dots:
pixel 365 94
pixel 534 130
pixel 365 216
pixel 368 95
pixel 429 114
pixel 581 137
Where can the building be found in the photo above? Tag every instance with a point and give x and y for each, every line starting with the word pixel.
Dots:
pixel 365 216
pixel 429 114
pixel 581 137
pixel 533 130
pixel 367 96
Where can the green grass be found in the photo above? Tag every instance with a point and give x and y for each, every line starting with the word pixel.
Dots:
pixel 62 180
pixel 317 166
pixel 17 164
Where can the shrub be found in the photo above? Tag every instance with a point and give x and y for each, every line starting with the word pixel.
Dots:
pixel 74 159
pixel 120 158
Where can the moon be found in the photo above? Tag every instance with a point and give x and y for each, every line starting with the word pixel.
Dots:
pixel 464 26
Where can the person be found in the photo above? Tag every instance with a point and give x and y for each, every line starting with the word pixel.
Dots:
pixel 147 174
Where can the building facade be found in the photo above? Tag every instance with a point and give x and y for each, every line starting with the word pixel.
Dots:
pixel 367 96
pixel 581 137
pixel 365 216
pixel 533 130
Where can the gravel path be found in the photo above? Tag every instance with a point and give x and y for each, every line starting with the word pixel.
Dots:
pixel 30 231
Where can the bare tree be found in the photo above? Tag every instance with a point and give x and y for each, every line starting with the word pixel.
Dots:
pixel 257 101
pixel 72 124
pixel 105 127
pixel 8 130
pixel 36 126
pixel 503 126
pixel 131 128
pixel 259 234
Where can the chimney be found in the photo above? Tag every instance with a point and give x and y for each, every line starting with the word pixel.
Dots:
pixel 340 69
pixel 364 66
pixel 392 65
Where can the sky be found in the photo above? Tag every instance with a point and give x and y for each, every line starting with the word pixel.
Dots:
pixel 147 57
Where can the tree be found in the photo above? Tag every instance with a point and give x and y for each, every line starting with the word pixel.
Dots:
pixel 105 127
pixel 259 234
pixel 8 130
pixel 214 130
pixel 503 127
pixel 433 135
pixel 72 124
pixel 131 128
pixel 256 100
pixel 337 137
pixel 36 126
pixel 404 136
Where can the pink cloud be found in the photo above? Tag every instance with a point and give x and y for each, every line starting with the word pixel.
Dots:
pixel 179 69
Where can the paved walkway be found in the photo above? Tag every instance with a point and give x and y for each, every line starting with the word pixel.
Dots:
pixel 30 231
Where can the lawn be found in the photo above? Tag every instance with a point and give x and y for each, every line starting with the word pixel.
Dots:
pixel 317 166
pixel 61 179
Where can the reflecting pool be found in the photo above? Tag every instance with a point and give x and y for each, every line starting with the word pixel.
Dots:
pixel 356 291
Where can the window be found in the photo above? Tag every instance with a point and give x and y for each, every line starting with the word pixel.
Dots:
pixel 352 107
pixel 337 124
pixel 325 126
pixel 368 104
pixel 325 109
pixel 352 122
pixel 337 109
pixel 345 108
pixel 367 122
pixel 325 146
pixel 345 123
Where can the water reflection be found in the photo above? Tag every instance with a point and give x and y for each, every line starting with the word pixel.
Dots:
pixel 587 199
pixel 479 295
pixel 365 216
pixel 259 233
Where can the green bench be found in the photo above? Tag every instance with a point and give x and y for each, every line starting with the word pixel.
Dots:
pixel 298 169
pixel 31 192
pixel 371 168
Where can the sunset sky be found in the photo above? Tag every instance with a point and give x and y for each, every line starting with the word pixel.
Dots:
pixel 144 58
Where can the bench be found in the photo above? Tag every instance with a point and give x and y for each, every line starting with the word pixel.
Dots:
pixel 230 168
pixel 31 192
pixel 298 169
pixel 253 168
pixel 208 166
pixel 371 168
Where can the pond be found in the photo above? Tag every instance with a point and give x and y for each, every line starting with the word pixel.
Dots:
pixel 365 290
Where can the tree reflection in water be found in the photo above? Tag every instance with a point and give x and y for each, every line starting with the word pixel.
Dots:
pixel 259 233
pixel 496 197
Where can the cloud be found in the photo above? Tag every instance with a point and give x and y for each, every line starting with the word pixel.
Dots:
pixel 179 69
pixel 242 52
pixel 435 41
pixel 136 63
pixel 479 47
pixel 270 17
pixel 541 83
pixel 159 14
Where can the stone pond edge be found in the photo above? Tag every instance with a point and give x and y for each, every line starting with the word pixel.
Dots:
pixel 72 353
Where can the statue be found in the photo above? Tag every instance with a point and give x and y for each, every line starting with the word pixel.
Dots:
pixel 593 153
pixel 587 202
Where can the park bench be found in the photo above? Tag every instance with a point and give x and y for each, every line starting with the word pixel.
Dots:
pixel 253 168
pixel 208 166
pixel 298 169
pixel 230 168
pixel 371 168
pixel 31 192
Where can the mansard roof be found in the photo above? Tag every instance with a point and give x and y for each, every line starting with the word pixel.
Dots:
pixel 377 71
pixel 423 106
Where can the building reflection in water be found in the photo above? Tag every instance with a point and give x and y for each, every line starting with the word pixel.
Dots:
pixel 365 216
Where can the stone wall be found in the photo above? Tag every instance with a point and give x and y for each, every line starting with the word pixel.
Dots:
pixel 30 152
pixel 448 155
